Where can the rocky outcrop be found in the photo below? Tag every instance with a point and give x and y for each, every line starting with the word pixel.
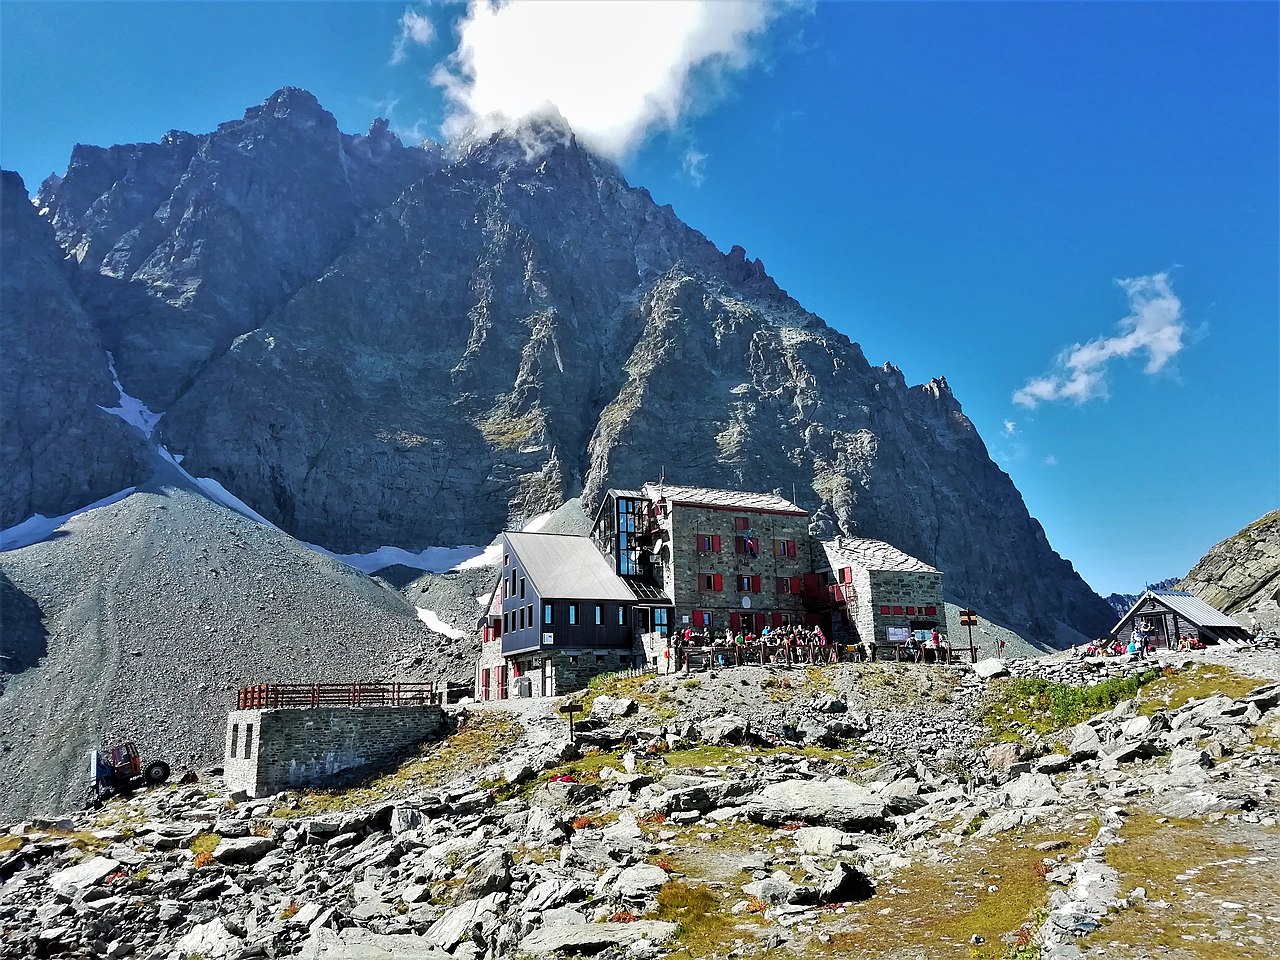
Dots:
pixel 58 449
pixel 376 345
pixel 1241 575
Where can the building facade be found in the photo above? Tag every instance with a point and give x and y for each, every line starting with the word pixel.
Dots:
pixel 885 594
pixel 557 617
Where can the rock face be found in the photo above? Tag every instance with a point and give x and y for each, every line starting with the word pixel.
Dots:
pixel 1241 575
pixel 372 344
pixel 58 449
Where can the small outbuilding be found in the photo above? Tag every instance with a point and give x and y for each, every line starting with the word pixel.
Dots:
pixel 1166 616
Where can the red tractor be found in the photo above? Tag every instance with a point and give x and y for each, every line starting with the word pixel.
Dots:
pixel 120 770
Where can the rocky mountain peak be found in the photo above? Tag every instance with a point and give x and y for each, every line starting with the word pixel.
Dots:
pixel 293 104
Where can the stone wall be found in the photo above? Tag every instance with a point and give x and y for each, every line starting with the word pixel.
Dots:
pixel 272 750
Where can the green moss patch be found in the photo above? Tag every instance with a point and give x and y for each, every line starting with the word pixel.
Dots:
pixel 1047 707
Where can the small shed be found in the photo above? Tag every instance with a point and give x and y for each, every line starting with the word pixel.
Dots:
pixel 1168 615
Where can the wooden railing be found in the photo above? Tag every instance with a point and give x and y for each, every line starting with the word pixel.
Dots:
pixel 266 696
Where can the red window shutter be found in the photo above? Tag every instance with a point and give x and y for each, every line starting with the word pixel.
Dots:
pixel 911 611
pixel 697 542
pixel 897 611
pixel 697 618
pixel 755 545
pixel 796 585
pixel 759 622
pixel 777 618
pixel 715 547
pixel 846 575
pixel 791 548
pixel 930 611
pixel 735 621
pixel 755 584
pixel 718 583
pixel 739 523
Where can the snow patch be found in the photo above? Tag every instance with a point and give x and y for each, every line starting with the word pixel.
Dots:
pixel 430 560
pixel 537 523
pixel 131 410
pixel 433 622
pixel 490 557
pixel 217 492
pixel 38 527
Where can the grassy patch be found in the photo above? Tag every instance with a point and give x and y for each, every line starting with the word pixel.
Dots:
pixel 706 927
pixel 510 433
pixel 644 689
pixel 1196 867
pixel 1047 707
pixel 934 909
pixel 1178 687
pixel 205 843
pixel 8 843
pixel 480 741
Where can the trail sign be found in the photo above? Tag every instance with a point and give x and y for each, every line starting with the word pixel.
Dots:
pixel 571 708
pixel 968 618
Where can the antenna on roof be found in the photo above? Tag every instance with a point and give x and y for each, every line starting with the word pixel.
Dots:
pixel 793 493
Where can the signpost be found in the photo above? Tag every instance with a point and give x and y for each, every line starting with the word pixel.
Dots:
pixel 571 708
pixel 969 618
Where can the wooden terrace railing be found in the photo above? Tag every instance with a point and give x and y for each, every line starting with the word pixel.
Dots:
pixel 265 696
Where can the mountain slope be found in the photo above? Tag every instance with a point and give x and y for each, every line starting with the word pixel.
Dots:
pixel 139 621
pixel 516 325
pixel 1241 575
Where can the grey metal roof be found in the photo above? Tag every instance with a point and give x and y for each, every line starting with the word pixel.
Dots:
pixel 705 496
pixel 872 555
pixel 566 567
pixel 1191 609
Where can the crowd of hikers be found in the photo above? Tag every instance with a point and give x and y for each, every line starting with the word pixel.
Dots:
pixel 795 644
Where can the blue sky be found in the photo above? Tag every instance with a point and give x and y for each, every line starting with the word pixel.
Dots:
pixel 958 187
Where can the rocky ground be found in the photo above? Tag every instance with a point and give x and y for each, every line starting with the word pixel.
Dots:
pixel 874 811
pixel 139 620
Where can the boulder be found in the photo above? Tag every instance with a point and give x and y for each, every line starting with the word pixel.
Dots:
pixel 605 707
pixel 777 889
pixel 725 729
pixel 490 874
pixel 356 943
pixel 243 849
pixel 640 882
pixel 823 841
pixel 464 922
pixel 587 938
pixel 83 875
pixel 1030 790
pixel 833 803
pixel 845 884
pixel 1002 756
pixel 1053 763
pixel 991 668
pixel 209 940
pixel 1085 742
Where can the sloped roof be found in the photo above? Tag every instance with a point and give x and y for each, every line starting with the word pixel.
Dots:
pixel 563 566
pixel 872 555
pixel 707 497
pixel 1190 608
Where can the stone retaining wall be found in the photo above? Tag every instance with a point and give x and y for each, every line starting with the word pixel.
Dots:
pixel 272 750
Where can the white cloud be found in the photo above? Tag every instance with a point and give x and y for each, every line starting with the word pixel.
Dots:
pixel 694 166
pixel 415 28
pixel 1154 326
pixel 1010 428
pixel 1051 461
pixel 615 71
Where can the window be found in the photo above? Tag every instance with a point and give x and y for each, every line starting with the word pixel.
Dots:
pixel 784 584
pixel 629 514
pixel 897 611
pixel 622 616
pixel 530 609
pixel 522 623
pixel 506 559
pixel 740 523
pixel 747 545
pixel 748 584
pixel 599 658
pixel 522 588
pixel 884 611
pixel 599 614
pixel 911 611
pixel 573 613
pixel 662 621
pixel 712 581
pixel 930 611
pixel 235 738
pixel 700 618
pixel 708 543
pixel 784 548
pixel 547 616
pixel 248 740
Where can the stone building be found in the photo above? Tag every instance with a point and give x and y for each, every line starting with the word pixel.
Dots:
pixel 883 593
pixel 557 617
pixel 709 560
